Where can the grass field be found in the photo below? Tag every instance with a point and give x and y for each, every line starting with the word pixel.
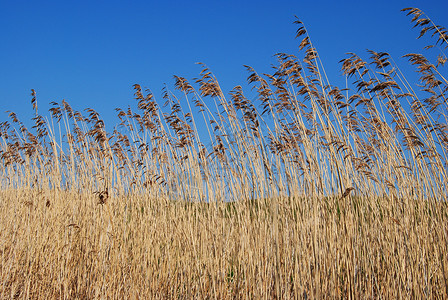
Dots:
pixel 309 191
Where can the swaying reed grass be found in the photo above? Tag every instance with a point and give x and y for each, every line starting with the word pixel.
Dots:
pixel 308 191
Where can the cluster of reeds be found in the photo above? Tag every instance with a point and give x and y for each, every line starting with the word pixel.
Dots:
pixel 307 190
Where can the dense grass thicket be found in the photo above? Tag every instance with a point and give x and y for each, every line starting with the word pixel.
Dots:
pixel 307 191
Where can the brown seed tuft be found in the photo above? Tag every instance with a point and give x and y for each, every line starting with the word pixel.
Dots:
pixel 103 196
pixel 347 192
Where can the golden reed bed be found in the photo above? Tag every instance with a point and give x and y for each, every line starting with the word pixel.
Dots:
pixel 307 192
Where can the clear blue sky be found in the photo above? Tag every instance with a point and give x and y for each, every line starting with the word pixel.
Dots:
pixel 90 53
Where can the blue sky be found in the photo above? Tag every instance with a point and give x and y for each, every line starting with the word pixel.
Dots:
pixel 90 53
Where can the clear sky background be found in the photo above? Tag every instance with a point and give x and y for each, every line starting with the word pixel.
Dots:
pixel 90 53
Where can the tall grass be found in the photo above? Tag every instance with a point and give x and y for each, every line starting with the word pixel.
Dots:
pixel 308 191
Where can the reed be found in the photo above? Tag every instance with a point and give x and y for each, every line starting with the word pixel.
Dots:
pixel 308 191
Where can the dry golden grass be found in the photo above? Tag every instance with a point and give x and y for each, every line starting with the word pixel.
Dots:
pixel 304 193
pixel 139 247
